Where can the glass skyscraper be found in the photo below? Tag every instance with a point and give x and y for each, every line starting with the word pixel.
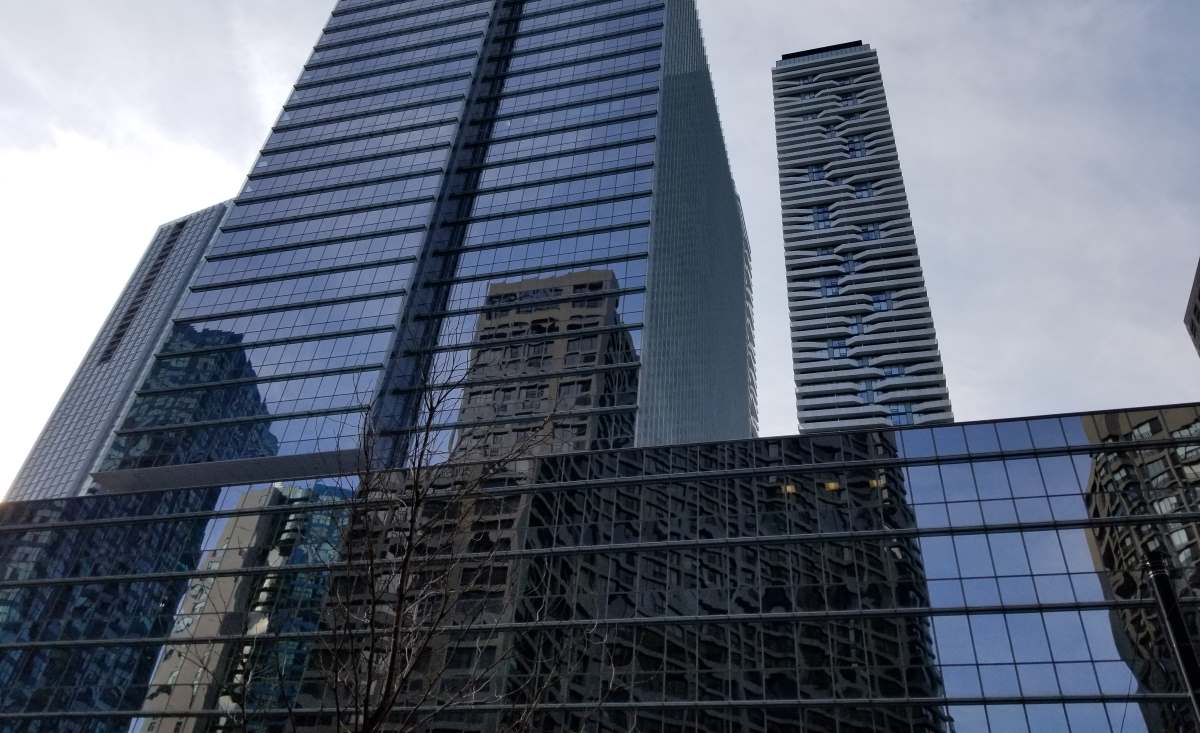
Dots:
pixel 441 167
pixel 864 350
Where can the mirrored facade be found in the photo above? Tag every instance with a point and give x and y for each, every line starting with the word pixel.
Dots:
pixel 435 162
pixel 969 577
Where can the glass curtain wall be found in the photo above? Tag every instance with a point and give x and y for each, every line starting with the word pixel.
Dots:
pixel 969 577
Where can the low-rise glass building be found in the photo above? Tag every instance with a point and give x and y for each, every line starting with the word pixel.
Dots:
pixel 983 576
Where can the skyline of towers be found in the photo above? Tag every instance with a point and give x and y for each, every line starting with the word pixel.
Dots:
pixel 864 350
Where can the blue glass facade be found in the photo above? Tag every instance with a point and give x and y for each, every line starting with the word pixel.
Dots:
pixel 440 168
pixel 977 577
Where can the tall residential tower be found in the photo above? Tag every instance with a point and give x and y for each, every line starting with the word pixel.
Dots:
pixel 863 344
pixel 441 169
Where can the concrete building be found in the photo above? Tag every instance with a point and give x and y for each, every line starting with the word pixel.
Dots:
pixel 864 349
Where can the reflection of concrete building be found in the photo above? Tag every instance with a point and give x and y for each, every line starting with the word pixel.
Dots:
pixel 890 655
pixel 550 346
pixel 1146 481
pixel 189 676
pixel 249 676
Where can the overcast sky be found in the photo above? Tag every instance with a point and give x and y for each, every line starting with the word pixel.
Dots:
pixel 1049 151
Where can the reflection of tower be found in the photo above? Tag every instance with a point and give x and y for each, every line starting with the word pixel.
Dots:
pixel 250 675
pixel 174 394
pixel 1146 481
pixel 885 655
pixel 189 676
pixel 94 679
pixel 542 377
pixel 554 369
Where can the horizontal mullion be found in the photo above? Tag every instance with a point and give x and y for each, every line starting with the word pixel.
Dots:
pixel 216 423
pixel 303 273
pixel 547 209
pixel 429 7
pixel 307 104
pixel 585 264
pixel 337 187
pixel 427 26
pixel 291 306
pixel 324 214
pixel 535 157
pixel 649 6
pixel 677 477
pixel 767 617
pixel 566 105
pixel 501 96
pixel 568 373
pixel 604 56
pixel 591 707
pixel 368 367
pixel 602 122
pixel 303 245
pixel 273 342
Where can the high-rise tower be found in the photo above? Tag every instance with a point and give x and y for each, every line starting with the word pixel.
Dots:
pixel 437 160
pixel 863 345
pixel 81 423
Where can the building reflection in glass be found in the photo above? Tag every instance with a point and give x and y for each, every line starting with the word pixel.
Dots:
pixel 1159 480
pixel 94 679
pixel 660 637
pixel 980 577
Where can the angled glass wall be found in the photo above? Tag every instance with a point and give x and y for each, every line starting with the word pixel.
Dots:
pixel 464 203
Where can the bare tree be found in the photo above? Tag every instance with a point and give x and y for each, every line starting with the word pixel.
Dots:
pixel 424 590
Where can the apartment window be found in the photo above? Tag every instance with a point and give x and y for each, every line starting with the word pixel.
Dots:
pixel 893 371
pixel 856 325
pixel 863 190
pixel 849 266
pixel 866 390
pixel 816 172
pixel 837 349
pixel 881 301
pixel 901 413
pixel 871 231
pixel 822 251
pixel 855 146
pixel 849 101
pixel 829 286
pixel 821 218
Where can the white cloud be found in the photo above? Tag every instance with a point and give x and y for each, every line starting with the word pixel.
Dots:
pixel 78 214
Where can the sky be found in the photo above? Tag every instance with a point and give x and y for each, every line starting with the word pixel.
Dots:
pixel 1048 149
